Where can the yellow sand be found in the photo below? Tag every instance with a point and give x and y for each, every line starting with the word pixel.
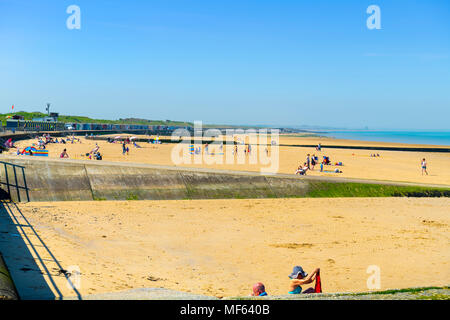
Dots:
pixel 392 165
pixel 222 247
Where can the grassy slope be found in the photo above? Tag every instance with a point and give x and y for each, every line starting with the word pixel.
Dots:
pixel 332 190
pixel 81 119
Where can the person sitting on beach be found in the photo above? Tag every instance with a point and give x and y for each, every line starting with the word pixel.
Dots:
pixel 64 154
pixel 299 278
pixel 259 290
pixel 302 170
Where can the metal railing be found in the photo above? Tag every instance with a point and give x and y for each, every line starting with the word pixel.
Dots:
pixel 15 185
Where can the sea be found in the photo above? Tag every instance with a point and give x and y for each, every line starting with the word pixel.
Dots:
pixel 441 138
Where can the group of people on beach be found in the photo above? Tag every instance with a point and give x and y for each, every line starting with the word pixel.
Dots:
pixel 311 162
pixel 247 149
pixel 95 153
pixel 298 278
pixel 46 139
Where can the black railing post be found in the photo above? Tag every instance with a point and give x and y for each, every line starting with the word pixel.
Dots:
pixel 7 179
pixel 17 184
pixel 25 184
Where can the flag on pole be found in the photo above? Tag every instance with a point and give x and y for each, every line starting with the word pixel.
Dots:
pixel 12 107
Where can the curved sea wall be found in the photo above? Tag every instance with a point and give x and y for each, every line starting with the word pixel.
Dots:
pixel 77 180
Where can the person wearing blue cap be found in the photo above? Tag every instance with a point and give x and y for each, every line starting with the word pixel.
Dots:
pixel 299 278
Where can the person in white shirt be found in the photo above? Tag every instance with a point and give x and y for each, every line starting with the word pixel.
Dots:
pixel 424 166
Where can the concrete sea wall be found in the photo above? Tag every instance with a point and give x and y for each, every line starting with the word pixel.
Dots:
pixel 77 180
pixel 60 180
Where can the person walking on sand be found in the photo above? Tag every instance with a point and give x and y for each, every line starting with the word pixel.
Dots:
pixel 308 161
pixel 424 166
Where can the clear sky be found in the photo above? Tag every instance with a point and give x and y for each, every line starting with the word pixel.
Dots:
pixel 279 62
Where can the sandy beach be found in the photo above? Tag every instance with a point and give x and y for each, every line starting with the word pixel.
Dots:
pixel 222 247
pixel 401 166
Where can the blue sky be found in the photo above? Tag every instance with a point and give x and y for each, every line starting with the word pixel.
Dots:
pixel 278 62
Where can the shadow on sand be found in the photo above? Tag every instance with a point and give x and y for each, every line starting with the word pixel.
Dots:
pixel 32 265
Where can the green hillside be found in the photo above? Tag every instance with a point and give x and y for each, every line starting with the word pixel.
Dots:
pixel 81 119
